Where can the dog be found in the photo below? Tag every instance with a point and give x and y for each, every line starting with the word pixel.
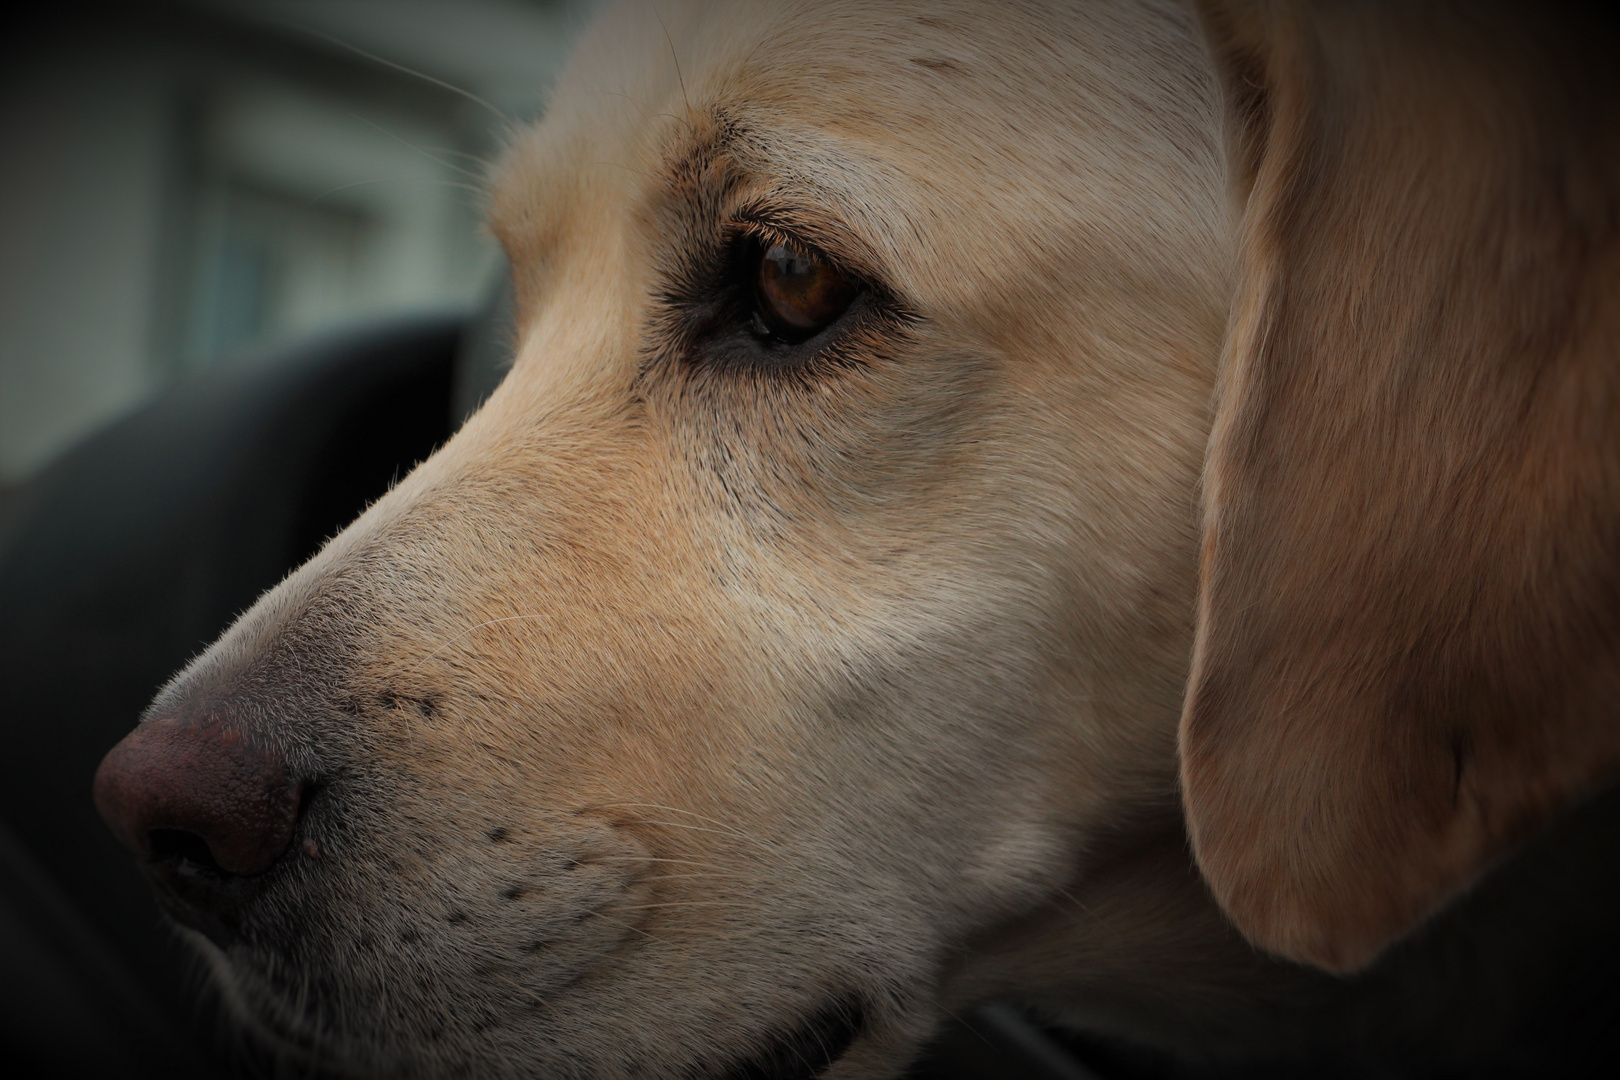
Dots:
pixel 1110 504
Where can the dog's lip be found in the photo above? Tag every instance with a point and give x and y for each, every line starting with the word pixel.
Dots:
pixel 808 1048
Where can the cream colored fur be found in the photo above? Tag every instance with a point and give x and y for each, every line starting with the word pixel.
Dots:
pixel 671 703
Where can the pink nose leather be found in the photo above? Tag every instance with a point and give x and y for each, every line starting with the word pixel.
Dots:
pixel 170 784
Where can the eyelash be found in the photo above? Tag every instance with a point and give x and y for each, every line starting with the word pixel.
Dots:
pixel 706 315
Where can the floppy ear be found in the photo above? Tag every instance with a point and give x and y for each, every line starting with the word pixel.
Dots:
pixel 1408 650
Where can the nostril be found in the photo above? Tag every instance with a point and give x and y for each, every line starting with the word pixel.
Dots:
pixel 187 850
pixel 199 795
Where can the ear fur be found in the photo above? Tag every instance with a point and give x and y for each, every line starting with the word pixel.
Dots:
pixel 1408 649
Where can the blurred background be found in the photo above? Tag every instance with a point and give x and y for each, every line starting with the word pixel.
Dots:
pixel 244 284
pixel 194 184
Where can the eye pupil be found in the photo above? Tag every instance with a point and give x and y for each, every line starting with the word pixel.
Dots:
pixel 799 294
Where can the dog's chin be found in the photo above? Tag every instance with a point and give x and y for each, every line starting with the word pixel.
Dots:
pixel 801 1050
pixel 806 1050
pixel 250 1013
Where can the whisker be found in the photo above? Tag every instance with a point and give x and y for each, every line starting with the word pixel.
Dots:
pixel 468 94
pixel 476 189
pixel 468 173
pixel 631 926
pixel 739 905
pixel 963 1023
pixel 345 187
pixel 711 869
pixel 1075 900
pixel 672 55
pixel 523 991
pixel 718 832
pixel 633 102
pixel 654 859
pixel 464 633
pixel 478 159
pixel 674 810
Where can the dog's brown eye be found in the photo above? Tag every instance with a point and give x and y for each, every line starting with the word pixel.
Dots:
pixel 799 294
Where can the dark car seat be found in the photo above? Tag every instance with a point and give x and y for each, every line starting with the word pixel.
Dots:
pixel 120 562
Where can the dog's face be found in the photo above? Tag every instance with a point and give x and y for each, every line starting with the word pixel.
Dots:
pixel 811 596
pixel 811 607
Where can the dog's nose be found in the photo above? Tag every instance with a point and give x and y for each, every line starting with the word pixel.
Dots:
pixel 204 808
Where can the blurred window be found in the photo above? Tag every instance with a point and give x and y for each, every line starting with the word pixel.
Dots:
pixel 187 184
pixel 273 264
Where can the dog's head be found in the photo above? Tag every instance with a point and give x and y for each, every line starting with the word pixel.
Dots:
pixel 817 591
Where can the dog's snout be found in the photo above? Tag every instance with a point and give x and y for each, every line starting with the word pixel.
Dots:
pixel 202 806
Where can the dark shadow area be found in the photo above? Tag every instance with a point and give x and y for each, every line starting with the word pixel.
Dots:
pixel 122 561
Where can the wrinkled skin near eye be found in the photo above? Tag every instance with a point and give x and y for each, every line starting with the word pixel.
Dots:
pixel 798 294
